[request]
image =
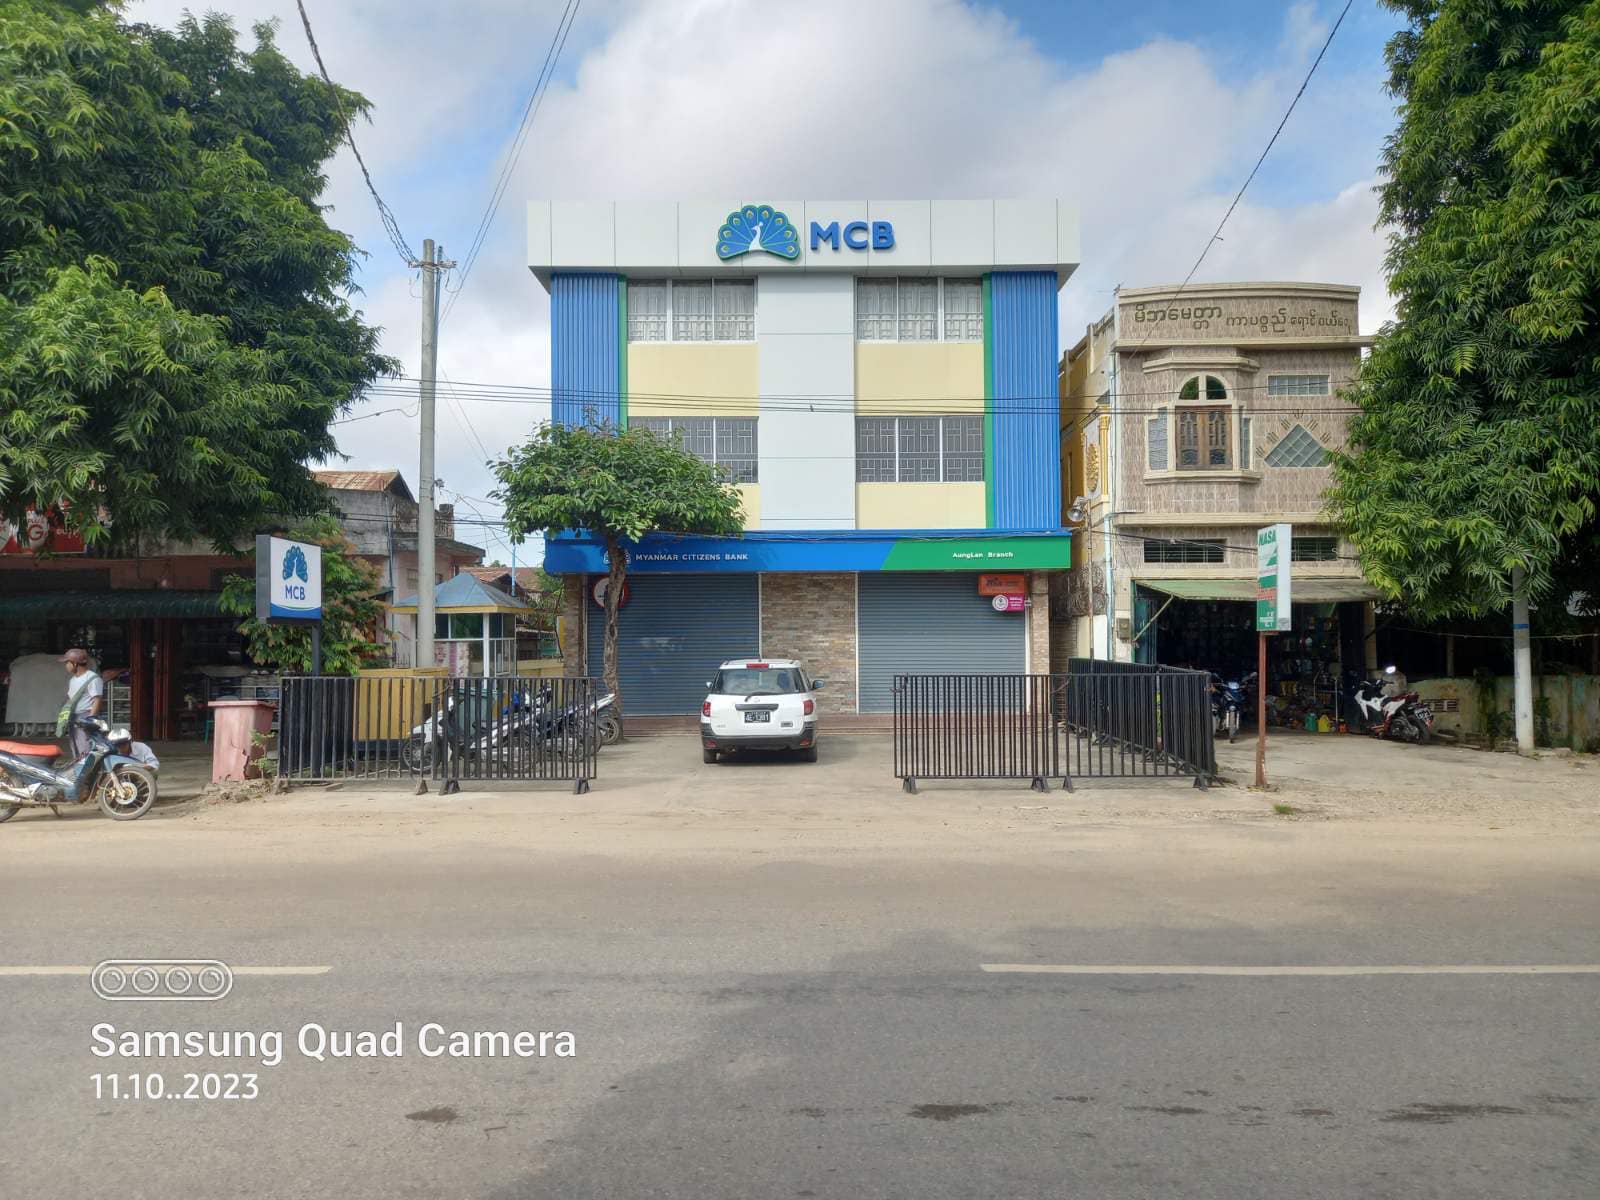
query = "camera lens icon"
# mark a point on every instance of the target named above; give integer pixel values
(192, 979)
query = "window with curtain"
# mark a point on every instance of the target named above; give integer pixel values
(919, 449)
(919, 310)
(1297, 385)
(735, 303)
(726, 442)
(691, 310)
(647, 311)
(876, 310)
(963, 310)
(1156, 443)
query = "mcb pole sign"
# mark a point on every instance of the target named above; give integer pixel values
(288, 580)
(1273, 553)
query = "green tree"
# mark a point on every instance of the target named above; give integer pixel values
(351, 612)
(619, 486)
(175, 330)
(1475, 459)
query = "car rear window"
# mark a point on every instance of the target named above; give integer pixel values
(769, 681)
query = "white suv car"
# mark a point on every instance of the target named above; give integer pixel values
(768, 704)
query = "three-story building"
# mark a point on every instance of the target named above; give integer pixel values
(879, 381)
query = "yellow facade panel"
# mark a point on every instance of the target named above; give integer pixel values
(750, 500)
(919, 377)
(920, 506)
(667, 379)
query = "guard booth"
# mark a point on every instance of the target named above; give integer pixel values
(474, 628)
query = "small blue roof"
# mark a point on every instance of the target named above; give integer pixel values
(467, 592)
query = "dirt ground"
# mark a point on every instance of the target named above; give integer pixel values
(655, 794)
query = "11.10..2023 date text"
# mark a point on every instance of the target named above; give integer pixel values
(152, 1085)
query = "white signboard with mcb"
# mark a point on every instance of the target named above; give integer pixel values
(288, 580)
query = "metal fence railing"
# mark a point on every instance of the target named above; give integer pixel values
(441, 729)
(1098, 720)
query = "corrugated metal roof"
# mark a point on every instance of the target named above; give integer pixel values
(464, 593)
(363, 481)
(527, 577)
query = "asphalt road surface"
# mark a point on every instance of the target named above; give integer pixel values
(754, 1016)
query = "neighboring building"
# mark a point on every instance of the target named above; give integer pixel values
(379, 515)
(1194, 419)
(877, 378)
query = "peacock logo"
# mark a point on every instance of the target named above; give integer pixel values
(294, 565)
(758, 227)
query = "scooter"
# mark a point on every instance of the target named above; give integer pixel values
(1227, 703)
(122, 787)
(1390, 714)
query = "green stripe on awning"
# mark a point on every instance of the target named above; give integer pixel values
(110, 606)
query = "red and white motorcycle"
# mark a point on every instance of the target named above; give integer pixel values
(1387, 712)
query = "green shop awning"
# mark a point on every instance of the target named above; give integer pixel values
(109, 606)
(1308, 589)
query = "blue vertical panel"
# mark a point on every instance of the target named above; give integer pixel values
(585, 354)
(1027, 428)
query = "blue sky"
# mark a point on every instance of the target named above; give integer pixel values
(1149, 114)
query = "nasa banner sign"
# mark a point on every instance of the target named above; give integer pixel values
(288, 580)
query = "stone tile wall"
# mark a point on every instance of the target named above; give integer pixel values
(813, 618)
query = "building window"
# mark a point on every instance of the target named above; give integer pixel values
(692, 310)
(963, 310)
(919, 450)
(1314, 549)
(919, 309)
(1297, 385)
(1203, 439)
(1156, 442)
(1214, 389)
(1244, 444)
(1183, 550)
(1297, 449)
(726, 442)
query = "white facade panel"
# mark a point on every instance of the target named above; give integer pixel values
(1025, 232)
(803, 304)
(583, 235)
(807, 466)
(963, 233)
(647, 234)
(698, 222)
(913, 237)
(1068, 244)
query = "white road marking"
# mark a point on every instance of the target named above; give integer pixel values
(1412, 969)
(235, 970)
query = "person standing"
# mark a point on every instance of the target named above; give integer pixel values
(86, 696)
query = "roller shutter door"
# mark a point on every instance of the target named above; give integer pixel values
(934, 624)
(672, 634)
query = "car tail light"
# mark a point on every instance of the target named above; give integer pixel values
(811, 707)
(756, 666)
(705, 708)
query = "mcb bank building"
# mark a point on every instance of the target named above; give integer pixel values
(879, 381)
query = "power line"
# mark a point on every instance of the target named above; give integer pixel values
(541, 85)
(390, 225)
(1216, 235)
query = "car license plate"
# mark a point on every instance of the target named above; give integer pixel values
(758, 714)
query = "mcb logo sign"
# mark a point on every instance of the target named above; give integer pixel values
(762, 227)
(288, 579)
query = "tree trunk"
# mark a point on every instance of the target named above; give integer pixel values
(616, 573)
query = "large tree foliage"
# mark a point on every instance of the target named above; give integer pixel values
(619, 486)
(351, 611)
(1477, 450)
(175, 336)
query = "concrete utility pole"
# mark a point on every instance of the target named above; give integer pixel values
(431, 266)
(1521, 661)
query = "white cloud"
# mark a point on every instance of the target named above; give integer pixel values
(892, 98)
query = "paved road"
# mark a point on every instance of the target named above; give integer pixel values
(764, 1021)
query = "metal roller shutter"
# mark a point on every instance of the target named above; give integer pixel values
(934, 624)
(672, 634)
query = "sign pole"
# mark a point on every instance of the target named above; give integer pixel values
(1261, 710)
(1274, 614)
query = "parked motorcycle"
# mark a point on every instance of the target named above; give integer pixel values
(1228, 703)
(122, 787)
(1388, 713)
(525, 724)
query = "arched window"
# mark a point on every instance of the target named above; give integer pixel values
(1204, 434)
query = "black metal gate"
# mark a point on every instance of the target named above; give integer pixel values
(1099, 720)
(444, 729)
